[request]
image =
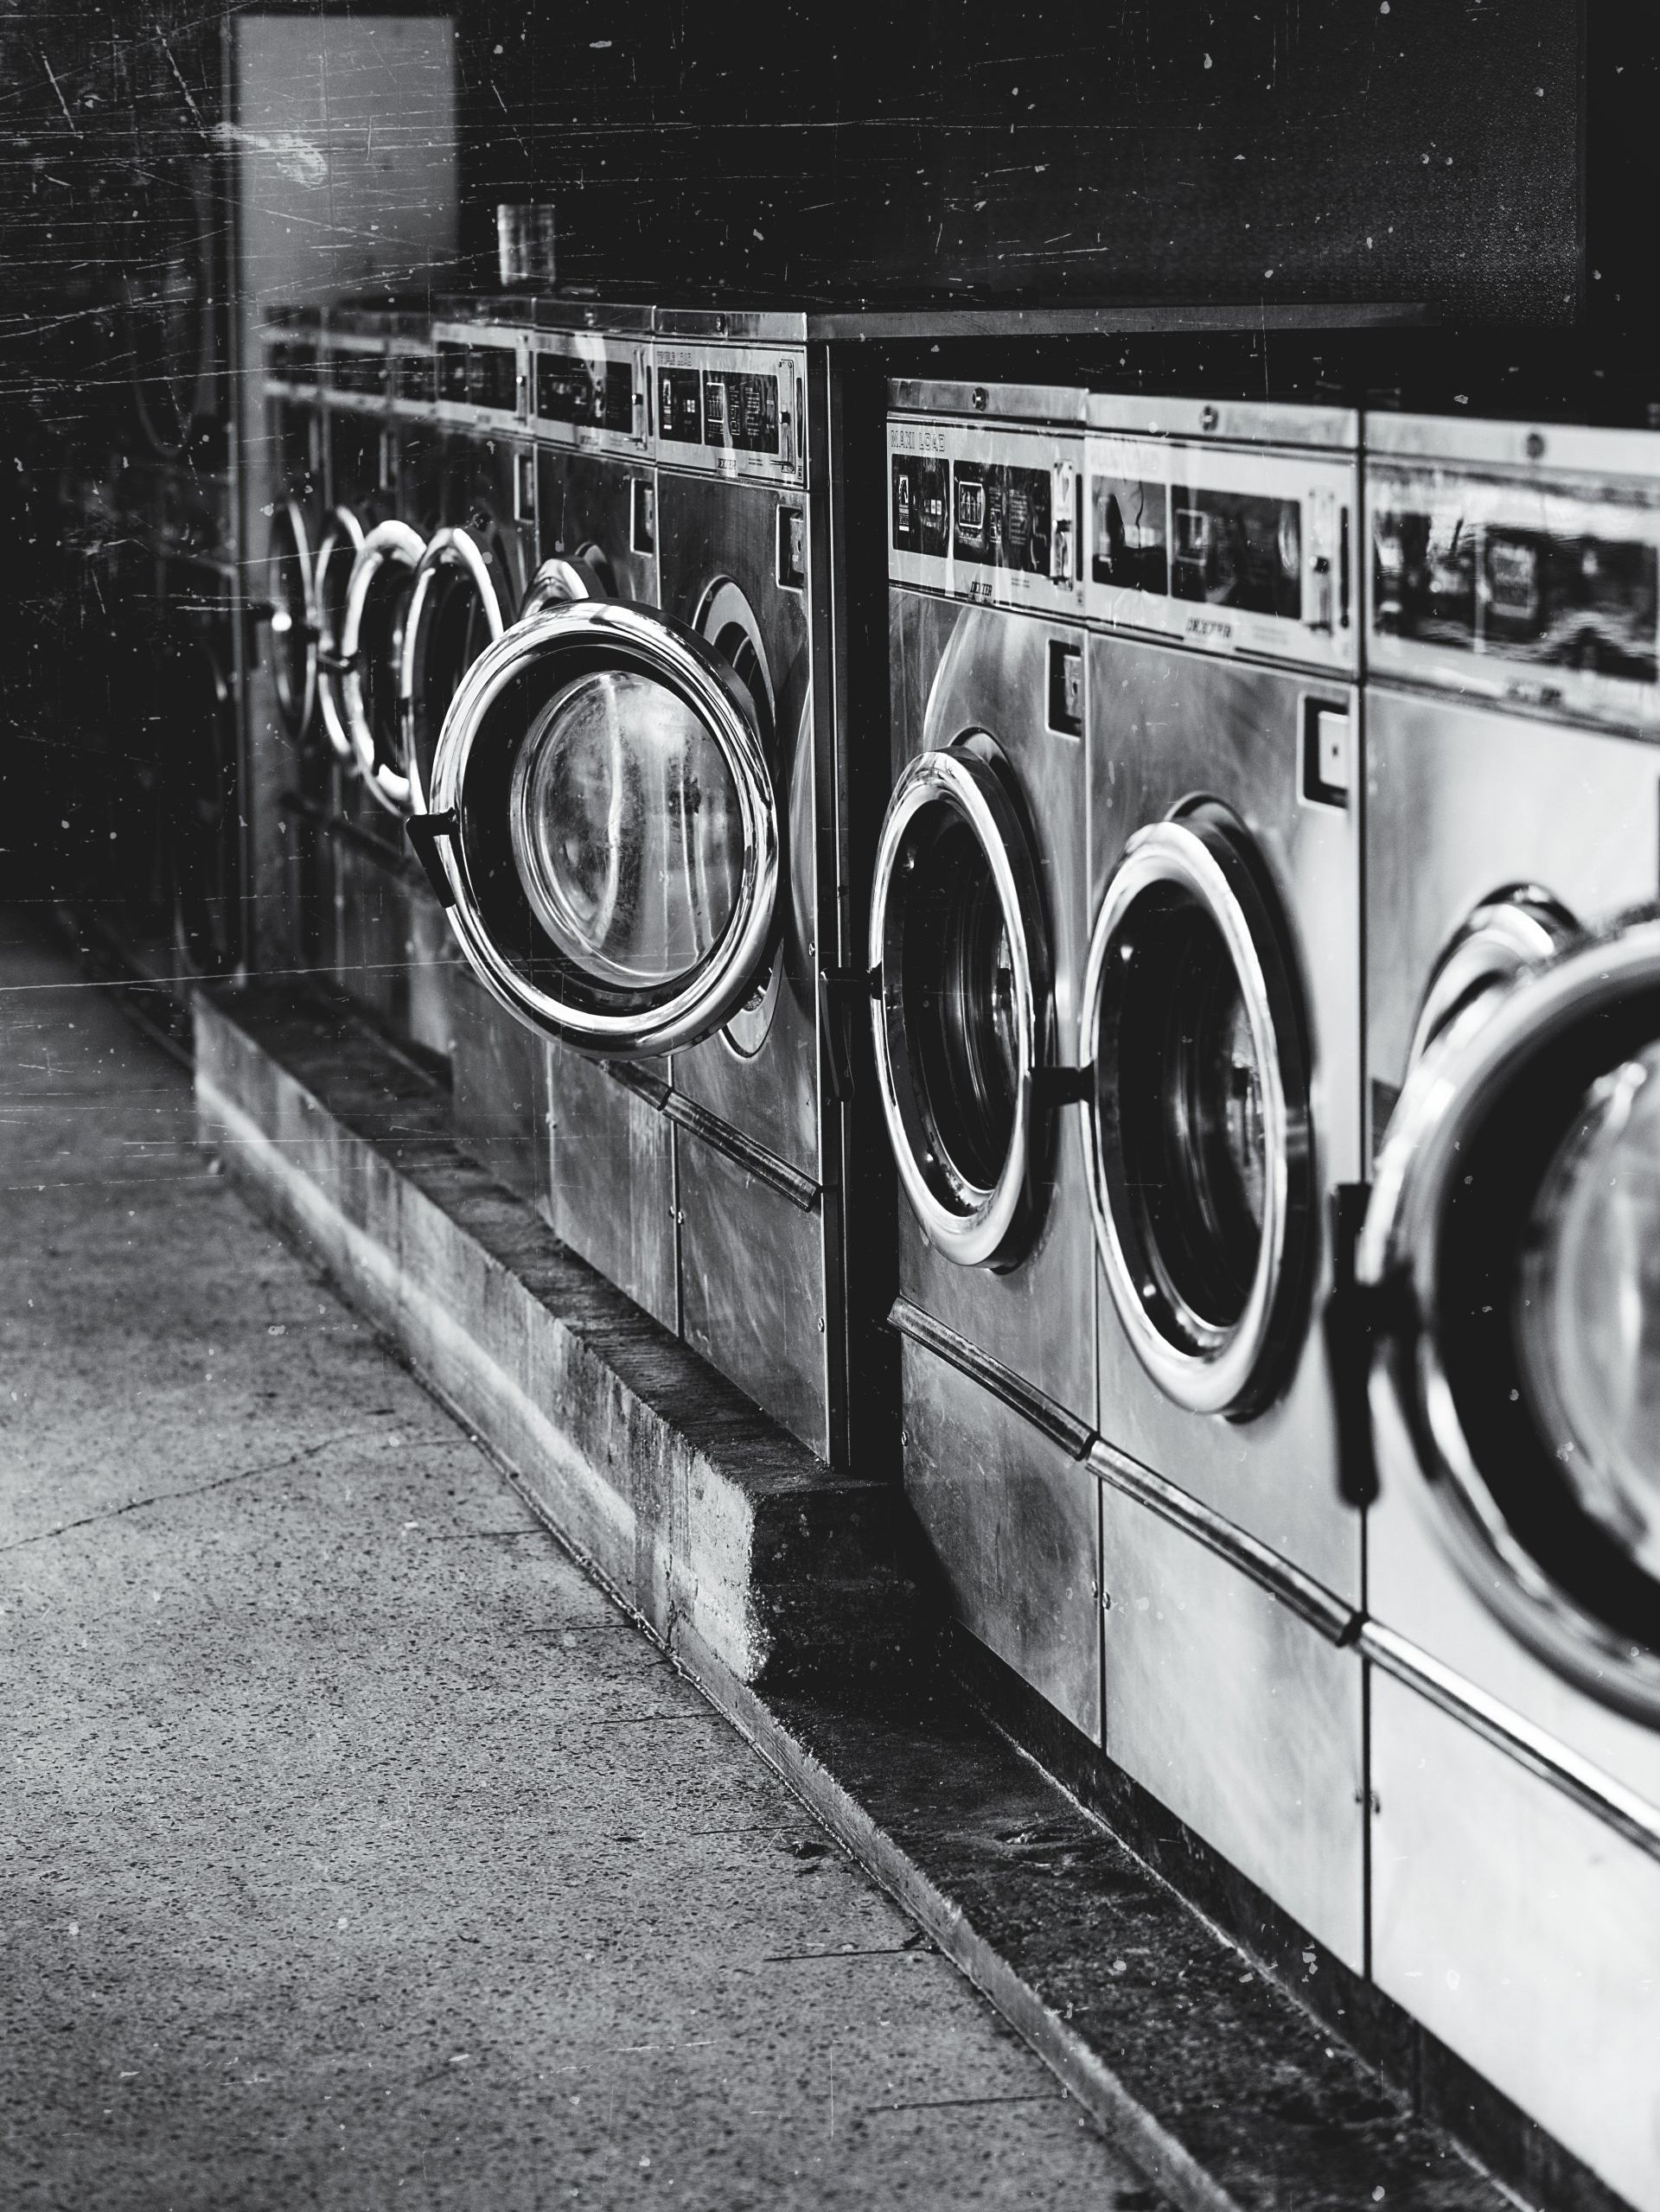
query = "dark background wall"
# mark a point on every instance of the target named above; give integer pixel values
(1153, 149)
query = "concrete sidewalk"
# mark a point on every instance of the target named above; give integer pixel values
(360, 1851)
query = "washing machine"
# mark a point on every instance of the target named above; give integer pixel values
(384, 465)
(1508, 1296)
(292, 468)
(1220, 1017)
(642, 840)
(606, 1179)
(288, 477)
(978, 930)
(472, 582)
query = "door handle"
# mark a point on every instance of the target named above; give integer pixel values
(423, 831)
(1053, 1087)
(846, 991)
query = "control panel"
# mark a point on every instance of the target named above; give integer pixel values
(985, 511)
(590, 391)
(482, 374)
(1540, 593)
(1226, 549)
(731, 411)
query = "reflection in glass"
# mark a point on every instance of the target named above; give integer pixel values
(1189, 1108)
(1237, 549)
(1588, 1307)
(627, 831)
(960, 1011)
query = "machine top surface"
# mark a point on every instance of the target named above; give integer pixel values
(1539, 450)
(1064, 406)
(1243, 422)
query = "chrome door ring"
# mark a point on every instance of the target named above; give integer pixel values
(612, 633)
(389, 544)
(1230, 1374)
(457, 549)
(973, 1225)
(1444, 1101)
(343, 536)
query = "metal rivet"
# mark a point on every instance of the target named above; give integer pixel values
(979, 399)
(1209, 418)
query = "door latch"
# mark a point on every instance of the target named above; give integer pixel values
(1053, 1087)
(847, 992)
(423, 831)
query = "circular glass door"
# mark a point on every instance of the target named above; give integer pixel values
(341, 542)
(603, 829)
(292, 589)
(1201, 1172)
(964, 1013)
(372, 651)
(460, 602)
(1512, 1250)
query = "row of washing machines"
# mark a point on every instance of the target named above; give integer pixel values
(1245, 884)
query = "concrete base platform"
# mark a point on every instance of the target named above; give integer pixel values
(792, 1597)
(732, 1542)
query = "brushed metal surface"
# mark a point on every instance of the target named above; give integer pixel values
(755, 1295)
(607, 1184)
(495, 1072)
(1166, 726)
(606, 1176)
(954, 669)
(1512, 800)
(1414, 1588)
(1521, 1931)
(710, 532)
(1240, 1715)
(585, 499)
(434, 964)
(478, 493)
(1012, 1519)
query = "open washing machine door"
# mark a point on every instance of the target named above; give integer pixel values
(1201, 1165)
(292, 592)
(603, 829)
(1508, 1275)
(465, 595)
(963, 1010)
(337, 551)
(378, 598)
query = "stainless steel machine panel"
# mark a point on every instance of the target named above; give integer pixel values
(1238, 1713)
(1167, 727)
(1228, 548)
(731, 412)
(719, 562)
(483, 373)
(985, 513)
(1013, 1518)
(757, 1284)
(591, 391)
(1519, 563)
(1512, 801)
(605, 1181)
(608, 1182)
(1574, 812)
(1521, 1930)
(957, 669)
